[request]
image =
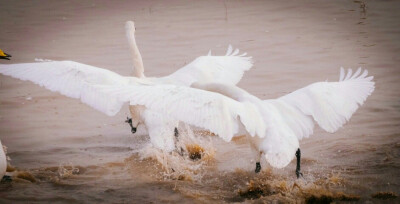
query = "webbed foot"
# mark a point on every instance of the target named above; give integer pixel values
(258, 167)
(6, 179)
(129, 121)
(298, 174)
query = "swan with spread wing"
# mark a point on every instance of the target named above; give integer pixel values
(226, 69)
(85, 82)
(274, 127)
(290, 118)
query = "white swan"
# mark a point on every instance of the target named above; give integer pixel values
(221, 69)
(3, 161)
(290, 118)
(161, 128)
(274, 126)
(82, 81)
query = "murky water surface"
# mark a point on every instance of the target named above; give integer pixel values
(67, 152)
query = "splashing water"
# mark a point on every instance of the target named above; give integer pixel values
(178, 164)
(65, 171)
(294, 43)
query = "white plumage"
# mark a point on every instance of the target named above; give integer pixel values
(87, 83)
(213, 111)
(74, 80)
(228, 69)
(3, 161)
(274, 126)
(223, 69)
(290, 118)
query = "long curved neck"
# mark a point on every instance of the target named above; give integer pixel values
(138, 68)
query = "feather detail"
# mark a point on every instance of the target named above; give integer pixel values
(329, 104)
(228, 69)
(71, 79)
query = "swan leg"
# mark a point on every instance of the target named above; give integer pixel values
(298, 157)
(258, 167)
(129, 121)
(256, 152)
(176, 134)
(258, 164)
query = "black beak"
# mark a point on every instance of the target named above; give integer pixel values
(7, 57)
(133, 130)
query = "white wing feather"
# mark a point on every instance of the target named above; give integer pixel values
(72, 79)
(228, 69)
(107, 91)
(215, 112)
(288, 119)
(330, 104)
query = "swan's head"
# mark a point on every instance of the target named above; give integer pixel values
(130, 27)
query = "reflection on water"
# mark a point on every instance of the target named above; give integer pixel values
(65, 152)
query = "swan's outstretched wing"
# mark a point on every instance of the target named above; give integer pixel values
(215, 112)
(226, 69)
(107, 92)
(330, 104)
(72, 79)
